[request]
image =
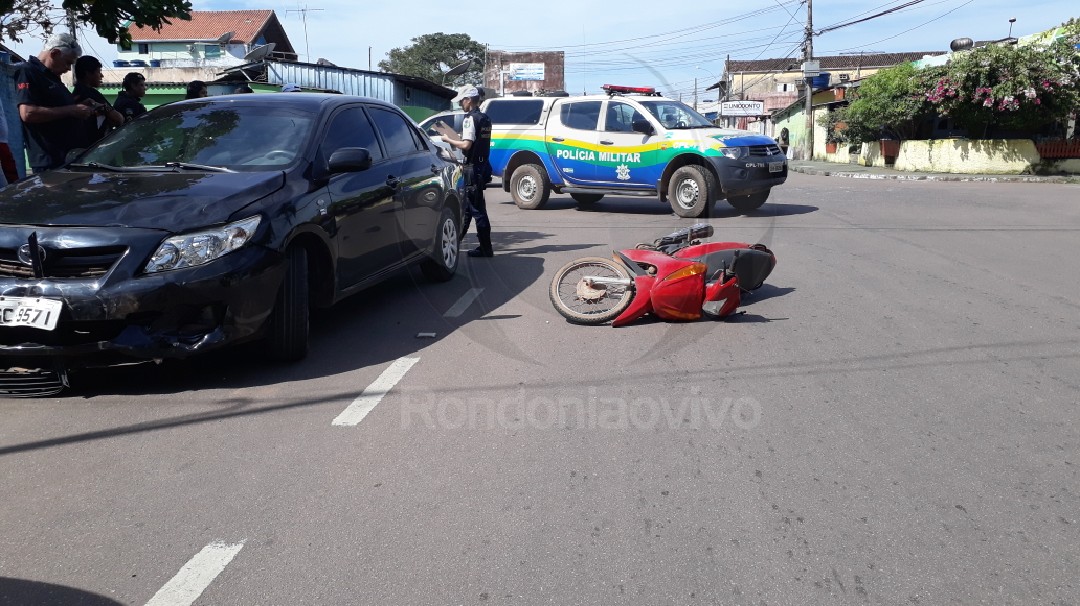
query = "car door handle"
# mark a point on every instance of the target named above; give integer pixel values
(607, 143)
(393, 182)
(558, 139)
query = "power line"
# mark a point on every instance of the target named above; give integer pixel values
(865, 19)
(939, 17)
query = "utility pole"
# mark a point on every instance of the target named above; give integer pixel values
(695, 93)
(807, 57)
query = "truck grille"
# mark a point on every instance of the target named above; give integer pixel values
(764, 150)
(63, 262)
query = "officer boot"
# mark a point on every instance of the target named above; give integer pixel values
(484, 250)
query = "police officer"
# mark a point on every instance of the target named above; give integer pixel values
(128, 100)
(475, 142)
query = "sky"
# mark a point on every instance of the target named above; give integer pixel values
(677, 46)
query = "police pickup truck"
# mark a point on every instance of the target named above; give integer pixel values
(628, 142)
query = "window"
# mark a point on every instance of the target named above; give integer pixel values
(583, 115)
(621, 117)
(515, 112)
(350, 128)
(144, 49)
(396, 132)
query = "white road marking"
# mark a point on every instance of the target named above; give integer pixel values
(366, 402)
(463, 303)
(188, 584)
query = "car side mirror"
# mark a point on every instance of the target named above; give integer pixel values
(643, 126)
(349, 160)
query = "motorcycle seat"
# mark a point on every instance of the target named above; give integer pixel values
(750, 265)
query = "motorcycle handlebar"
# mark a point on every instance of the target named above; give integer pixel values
(698, 230)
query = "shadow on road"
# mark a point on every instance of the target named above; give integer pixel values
(630, 205)
(372, 328)
(20, 592)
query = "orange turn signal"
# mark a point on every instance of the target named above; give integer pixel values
(694, 269)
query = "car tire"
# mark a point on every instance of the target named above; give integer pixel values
(443, 263)
(691, 191)
(290, 327)
(529, 186)
(587, 198)
(748, 203)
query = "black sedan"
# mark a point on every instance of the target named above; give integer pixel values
(214, 221)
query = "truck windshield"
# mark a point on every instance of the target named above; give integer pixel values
(673, 114)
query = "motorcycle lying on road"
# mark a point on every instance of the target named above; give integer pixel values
(677, 277)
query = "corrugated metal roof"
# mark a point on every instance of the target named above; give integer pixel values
(207, 26)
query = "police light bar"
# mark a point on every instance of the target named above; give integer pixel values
(640, 90)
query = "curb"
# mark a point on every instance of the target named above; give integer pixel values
(934, 177)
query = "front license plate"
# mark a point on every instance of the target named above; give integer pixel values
(29, 311)
(776, 167)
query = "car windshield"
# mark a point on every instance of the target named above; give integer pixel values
(206, 135)
(673, 114)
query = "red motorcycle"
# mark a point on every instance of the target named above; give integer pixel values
(677, 277)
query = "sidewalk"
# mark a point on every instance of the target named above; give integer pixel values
(854, 171)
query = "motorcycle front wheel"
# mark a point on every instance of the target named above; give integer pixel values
(582, 301)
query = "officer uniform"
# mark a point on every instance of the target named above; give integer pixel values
(477, 128)
(128, 105)
(47, 143)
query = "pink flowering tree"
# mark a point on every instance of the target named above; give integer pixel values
(1020, 88)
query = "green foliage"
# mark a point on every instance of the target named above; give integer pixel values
(110, 18)
(1021, 88)
(892, 101)
(835, 124)
(423, 57)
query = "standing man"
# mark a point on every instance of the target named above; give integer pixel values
(128, 100)
(51, 118)
(475, 142)
(88, 78)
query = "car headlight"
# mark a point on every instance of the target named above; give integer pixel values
(734, 153)
(199, 247)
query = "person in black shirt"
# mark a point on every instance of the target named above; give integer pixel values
(196, 89)
(127, 100)
(52, 120)
(88, 78)
(475, 142)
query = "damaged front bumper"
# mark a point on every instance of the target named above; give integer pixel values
(171, 314)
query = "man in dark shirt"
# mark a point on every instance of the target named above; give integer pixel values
(51, 118)
(88, 78)
(127, 100)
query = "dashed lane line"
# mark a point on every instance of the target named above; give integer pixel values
(370, 398)
(463, 303)
(188, 584)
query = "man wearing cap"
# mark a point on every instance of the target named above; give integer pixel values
(52, 119)
(475, 142)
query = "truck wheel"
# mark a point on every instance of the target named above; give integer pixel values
(750, 202)
(587, 198)
(529, 187)
(691, 191)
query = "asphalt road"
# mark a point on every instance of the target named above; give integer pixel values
(893, 420)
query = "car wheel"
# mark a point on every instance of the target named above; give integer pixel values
(587, 198)
(529, 187)
(750, 202)
(444, 259)
(691, 190)
(289, 322)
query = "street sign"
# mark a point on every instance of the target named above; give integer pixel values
(742, 108)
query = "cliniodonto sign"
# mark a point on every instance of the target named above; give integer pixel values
(742, 108)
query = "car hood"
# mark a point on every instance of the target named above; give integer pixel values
(731, 137)
(170, 201)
